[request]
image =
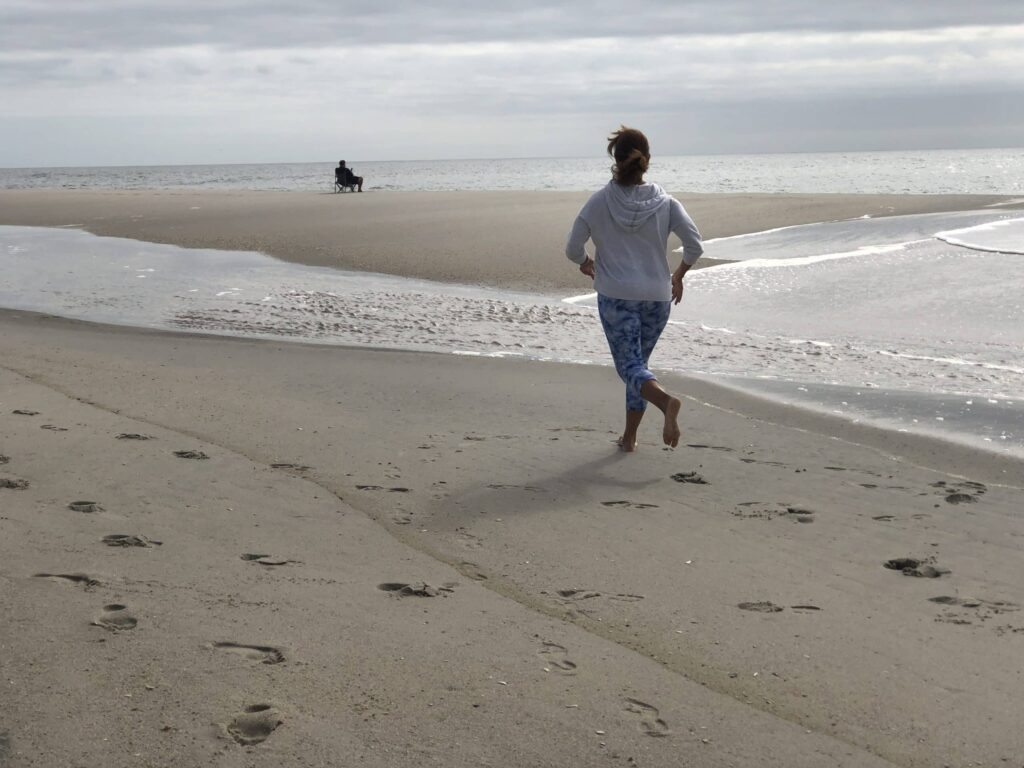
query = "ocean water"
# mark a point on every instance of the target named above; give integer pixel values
(975, 171)
(913, 323)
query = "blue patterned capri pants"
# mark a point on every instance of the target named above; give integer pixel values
(632, 329)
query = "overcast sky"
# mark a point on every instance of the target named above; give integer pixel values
(95, 82)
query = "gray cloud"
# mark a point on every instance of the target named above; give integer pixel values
(138, 81)
(134, 24)
(535, 76)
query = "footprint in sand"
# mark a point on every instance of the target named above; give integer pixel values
(85, 506)
(268, 560)
(763, 606)
(127, 540)
(767, 510)
(801, 515)
(115, 617)
(79, 579)
(265, 654)
(577, 595)
(133, 436)
(1008, 629)
(396, 489)
(4, 459)
(763, 461)
(468, 540)
(291, 467)
(709, 447)
(472, 571)
(960, 498)
(630, 504)
(417, 589)
(555, 659)
(962, 492)
(967, 610)
(24, 412)
(13, 484)
(626, 598)
(649, 718)
(884, 518)
(689, 477)
(191, 455)
(54, 428)
(254, 725)
(912, 566)
(997, 606)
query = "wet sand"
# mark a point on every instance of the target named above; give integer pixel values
(404, 559)
(506, 239)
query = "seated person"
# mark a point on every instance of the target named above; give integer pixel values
(343, 177)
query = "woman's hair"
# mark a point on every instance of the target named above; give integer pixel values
(632, 154)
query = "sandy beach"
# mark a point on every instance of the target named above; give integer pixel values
(238, 552)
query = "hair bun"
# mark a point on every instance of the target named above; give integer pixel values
(631, 152)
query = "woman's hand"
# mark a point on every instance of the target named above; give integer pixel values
(677, 282)
(677, 288)
(587, 268)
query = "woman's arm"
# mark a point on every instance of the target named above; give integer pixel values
(684, 228)
(682, 225)
(574, 246)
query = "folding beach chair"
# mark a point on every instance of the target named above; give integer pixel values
(342, 186)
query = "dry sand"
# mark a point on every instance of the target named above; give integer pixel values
(586, 607)
(511, 239)
(565, 604)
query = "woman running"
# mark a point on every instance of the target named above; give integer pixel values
(630, 221)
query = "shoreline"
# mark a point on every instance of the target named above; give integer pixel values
(466, 266)
(509, 240)
(916, 448)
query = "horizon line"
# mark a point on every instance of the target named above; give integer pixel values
(491, 159)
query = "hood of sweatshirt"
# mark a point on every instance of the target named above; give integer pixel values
(631, 206)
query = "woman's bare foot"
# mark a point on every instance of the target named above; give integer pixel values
(670, 434)
(626, 446)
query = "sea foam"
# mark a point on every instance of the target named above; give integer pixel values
(1003, 236)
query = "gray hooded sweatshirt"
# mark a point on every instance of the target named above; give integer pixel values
(630, 226)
